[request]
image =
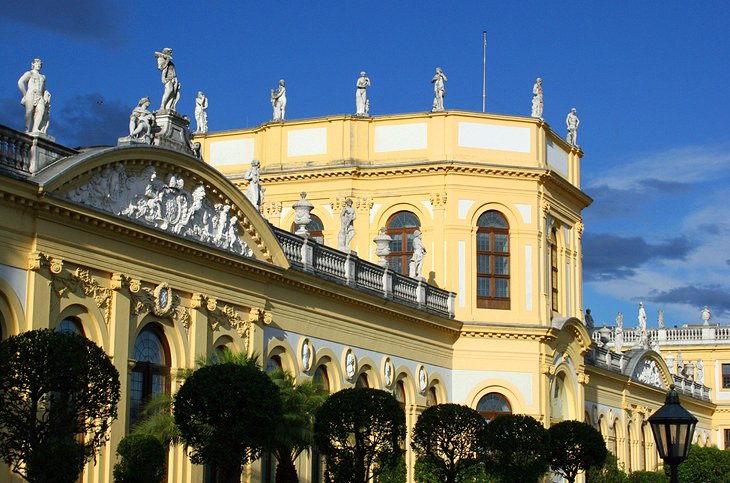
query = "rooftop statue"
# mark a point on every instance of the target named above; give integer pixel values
(419, 252)
(278, 101)
(201, 117)
(141, 121)
(537, 100)
(660, 319)
(254, 192)
(572, 122)
(171, 94)
(36, 99)
(439, 90)
(347, 227)
(361, 96)
(706, 315)
(642, 317)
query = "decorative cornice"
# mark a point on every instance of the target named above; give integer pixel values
(79, 282)
(513, 333)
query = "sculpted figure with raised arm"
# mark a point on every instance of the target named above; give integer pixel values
(572, 122)
(171, 94)
(201, 117)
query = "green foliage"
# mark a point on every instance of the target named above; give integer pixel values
(651, 477)
(156, 420)
(709, 465)
(142, 460)
(517, 448)
(225, 413)
(294, 431)
(608, 472)
(395, 472)
(449, 438)
(427, 470)
(360, 432)
(54, 388)
(575, 446)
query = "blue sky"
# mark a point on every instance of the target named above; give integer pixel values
(649, 80)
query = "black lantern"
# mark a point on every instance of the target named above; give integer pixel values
(673, 427)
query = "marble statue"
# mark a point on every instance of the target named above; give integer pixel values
(171, 94)
(642, 317)
(306, 356)
(660, 319)
(700, 367)
(201, 117)
(619, 333)
(419, 251)
(350, 365)
(572, 122)
(278, 101)
(388, 373)
(706, 315)
(361, 95)
(347, 227)
(537, 99)
(422, 382)
(141, 121)
(669, 359)
(439, 90)
(254, 192)
(680, 363)
(36, 99)
(589, 321)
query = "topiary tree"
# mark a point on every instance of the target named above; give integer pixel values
(517, 448)
(574, 447)
(360, 431)
(655, 477)
(449, 438)
(225, 414)
(58, 397)
(142, 460)
(705, 464)
(608, 472)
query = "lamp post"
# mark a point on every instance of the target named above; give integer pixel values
(673, 427)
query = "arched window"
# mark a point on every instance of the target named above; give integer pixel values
(493, 291)
(362, 381)
(554, 273)
(400, 227)
(493, 405)
(72, 325)
(151, 372)
(274, 364)
(321, 378)
(559, 399)
(315, 229)
(431, 398)
(399, 392)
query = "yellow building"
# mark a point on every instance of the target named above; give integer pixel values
(160, 258)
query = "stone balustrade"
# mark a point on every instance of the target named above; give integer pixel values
(26, 154)
(666, 336)
(325, 262)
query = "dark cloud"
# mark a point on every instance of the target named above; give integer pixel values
(714, 296)
(615, 202)
(96, 20)
(89, 120)
(610, 257)
(667, 187)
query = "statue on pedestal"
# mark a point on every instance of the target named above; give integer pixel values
(278, 101)
(171, 94)
(572, 122)
(537, 99)
(618, 341)
(36, 99)
(201, 117)
(642, 317)
(254, 192)
(141, 121)
(706, 315)
(361, 95)
(439, 90)
(347, 227)
(419, 252)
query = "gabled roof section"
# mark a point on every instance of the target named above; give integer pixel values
(168, 191)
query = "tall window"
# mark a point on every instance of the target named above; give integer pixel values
(400, 227)
(151, 372)
(493, 405)
(362, 381)
(321, 378)
(492, 261)
(431, 398)
(726, 433)
(314, 228)
(554, 274)
(726, 376)
(70, 324)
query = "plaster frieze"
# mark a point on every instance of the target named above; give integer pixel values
(80, 282)
(272, 209)
(438, 199)
(363, 205)
(160, 300)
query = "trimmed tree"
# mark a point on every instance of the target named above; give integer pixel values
(225, 414)
(608, 472)
(574, 447)
(58, 397)
(449, 439)
(360, 431)
(517, 448)
(705, 464)
(143, 460)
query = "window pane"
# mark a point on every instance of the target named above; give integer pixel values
(500, 242)
(492, 219)
(69, 324)
(404, 219)
(501, 288)
(483, 264)
(726, 369)
(396, 244)
(494, 402)
(501, 265)
(410, 242)
(148, 348)
(396, 265)
(483, 287)
(483, 242)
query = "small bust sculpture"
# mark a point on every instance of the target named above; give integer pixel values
(36, 99)
(439, 90)
(278, 101)
(572, 122)
(537, 99)
(422, 379)
(141, 121)
(362, 103)
(350, 365)
(201, 117)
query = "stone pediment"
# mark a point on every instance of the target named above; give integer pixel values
(169, 197)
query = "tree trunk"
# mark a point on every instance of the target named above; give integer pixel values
(286, 472)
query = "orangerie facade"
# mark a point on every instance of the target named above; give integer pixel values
(157, 256)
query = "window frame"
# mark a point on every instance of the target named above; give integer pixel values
(490, 415)
(492, 301)
(148, 370)
(404, 233)
(554, 272)
(315, 235)
(725, 378)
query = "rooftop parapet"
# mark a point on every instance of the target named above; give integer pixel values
(25, 154)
